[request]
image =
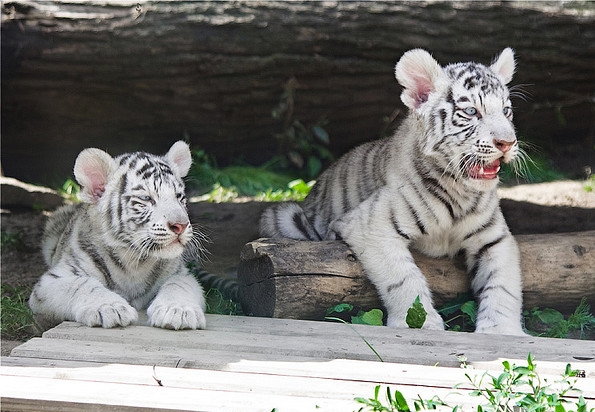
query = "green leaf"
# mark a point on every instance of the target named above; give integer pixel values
(400, 402)
(416, 315)
(469, 308)
(372, 317)
(340, 308)
(550, 316)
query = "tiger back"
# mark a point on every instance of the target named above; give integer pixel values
(121, 249)
(430, 187)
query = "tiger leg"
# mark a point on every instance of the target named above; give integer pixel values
(179, 304)
(61, 295)
(497, 284)
(387, 261)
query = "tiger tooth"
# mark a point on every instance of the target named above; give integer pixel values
(481, 171)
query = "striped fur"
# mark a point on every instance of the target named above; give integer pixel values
(431, 187)
(120, 250)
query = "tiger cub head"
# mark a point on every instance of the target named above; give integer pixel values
(466, 114)
(138, 200)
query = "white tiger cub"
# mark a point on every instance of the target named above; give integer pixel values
(431, 187)
(120, 250)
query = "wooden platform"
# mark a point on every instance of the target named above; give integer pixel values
(258, 364)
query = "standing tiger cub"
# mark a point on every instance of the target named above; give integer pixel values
(431, 187)
(120, 250)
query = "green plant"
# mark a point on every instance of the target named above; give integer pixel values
(302, 147)
(297, 190)
(551, 323)
(522, 387)
(16, 319)
(70, 190)
(460, 313)
(218, 304)
(416, 315)
(346, 312)
(396, 402)
(517, 388)
(205, 177)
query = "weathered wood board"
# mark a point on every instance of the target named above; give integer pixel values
(257, 364)
(295, 279)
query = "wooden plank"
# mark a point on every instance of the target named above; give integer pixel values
(274, 338)
(335, 393)
(268, 374)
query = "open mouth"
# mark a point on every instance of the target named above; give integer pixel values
(487, 172)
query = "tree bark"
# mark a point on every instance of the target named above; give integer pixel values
(300, 280)
(128, 75)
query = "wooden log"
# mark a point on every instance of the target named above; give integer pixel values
(125, 75)
(300, 280)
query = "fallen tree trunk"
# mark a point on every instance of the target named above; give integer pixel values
(300, 280)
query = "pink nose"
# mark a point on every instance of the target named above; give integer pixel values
(178, 228)
(504, 145)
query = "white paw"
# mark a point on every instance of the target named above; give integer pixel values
(107, 315)
(176, 316)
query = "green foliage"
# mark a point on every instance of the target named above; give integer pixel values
(517, 388)
(297, 190)
(301, 147)
(70, 190)
(347, 312)
(396, 402)
(206, 177)
(522, 387)
(460, 313)
(218, 304)
(16, 319)
(11, 241)
(551, 323)
(416, 315)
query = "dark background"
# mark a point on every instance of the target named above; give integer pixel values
(124, 76)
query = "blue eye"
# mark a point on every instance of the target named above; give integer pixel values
(470, 111)
(507, 111)
(145, 198)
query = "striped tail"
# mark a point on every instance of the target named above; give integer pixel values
(287, 220)
(229, 288)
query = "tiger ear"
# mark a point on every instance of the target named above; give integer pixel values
(92, 170)
(504, 65)
(417, 72)
(180, 158)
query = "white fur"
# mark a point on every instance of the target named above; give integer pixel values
(85, 241)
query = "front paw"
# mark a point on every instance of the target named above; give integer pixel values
(176, 316)
(107, 315)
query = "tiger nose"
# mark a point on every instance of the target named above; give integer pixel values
(504, 145)
(177, 228)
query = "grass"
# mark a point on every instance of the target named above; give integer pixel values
(16, 319)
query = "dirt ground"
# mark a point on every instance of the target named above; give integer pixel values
(563, 206)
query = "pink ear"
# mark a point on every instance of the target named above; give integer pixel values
(417, 72)
(92, 170)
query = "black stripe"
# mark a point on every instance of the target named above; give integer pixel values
(393, 219)
(481, 252)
